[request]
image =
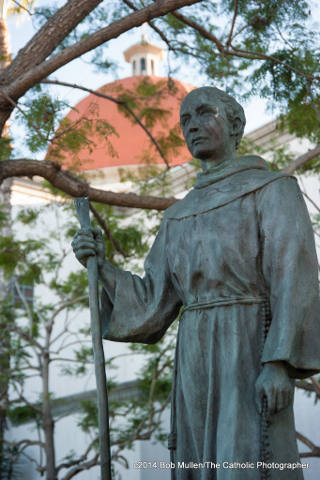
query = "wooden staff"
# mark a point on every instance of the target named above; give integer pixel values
(82, 208)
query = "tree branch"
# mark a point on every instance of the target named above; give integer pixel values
(151, 24)
(316, 386)
(29, 121)
(311, 201)
(20, 85)
(118, 102)
(76, 187)
(304, 385)
(315, 450)
(199, 28)
(24, 443)
(81, 467)
(22, 7)
(107, 232)
(235, 13)
(25, 304)
(26, 336)
(238, 52)
(303, 159)
(78, 460)
(50, 35)
(66, 304)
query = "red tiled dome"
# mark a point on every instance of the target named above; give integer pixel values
(129, 144)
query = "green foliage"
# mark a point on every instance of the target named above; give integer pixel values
(23, 414)
(13, 253)
(273, 52)
(3, 215)
(41, 116)
(5, 148)
(27, 216)
(89, 419)
(28, 332)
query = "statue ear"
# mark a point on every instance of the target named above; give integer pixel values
(236, 126)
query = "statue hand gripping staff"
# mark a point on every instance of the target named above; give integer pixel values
(82, 208)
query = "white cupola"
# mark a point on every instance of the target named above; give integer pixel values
(144, 57)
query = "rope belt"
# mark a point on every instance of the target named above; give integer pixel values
(223, 301)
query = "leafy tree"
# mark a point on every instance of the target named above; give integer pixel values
(258, 47)
(46, 336)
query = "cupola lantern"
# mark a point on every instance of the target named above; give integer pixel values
(144, 57)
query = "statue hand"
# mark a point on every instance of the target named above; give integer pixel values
(88, 242)
(274, 383)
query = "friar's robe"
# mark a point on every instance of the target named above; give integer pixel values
(239, 241)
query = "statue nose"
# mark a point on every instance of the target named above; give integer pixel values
(193, 127)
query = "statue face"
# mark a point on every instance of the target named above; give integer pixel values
(205, 125)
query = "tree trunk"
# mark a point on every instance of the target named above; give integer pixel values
(5, 58)
(4, 44)
(5, 230)
(48, 424)
(5, 343)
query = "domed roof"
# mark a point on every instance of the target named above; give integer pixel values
(115, 139)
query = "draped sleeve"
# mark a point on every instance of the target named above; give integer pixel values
(290, 270)
(135, 309)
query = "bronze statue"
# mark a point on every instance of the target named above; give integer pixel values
(238, 254)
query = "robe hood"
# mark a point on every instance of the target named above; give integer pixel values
(223, 184)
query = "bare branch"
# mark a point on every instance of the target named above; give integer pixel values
(151, 24)
(304, 385)
(23, 8)
(316, 386)
(81, 467)
(76, 187)
(64, 305)
(315, 450)
(118, 102)
(302, 160)
(235, 13)
(26, 336)
(24, 443)
(311, 201)
(25, 303)
(107, 232)
(79, 459)
(24, 400)
(196, 26)
(69, 360)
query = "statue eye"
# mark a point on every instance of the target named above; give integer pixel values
(184, 121)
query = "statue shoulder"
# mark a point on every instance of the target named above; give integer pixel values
(178, 209)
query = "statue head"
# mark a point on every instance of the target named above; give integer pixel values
(212, 123)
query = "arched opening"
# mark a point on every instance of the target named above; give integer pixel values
(143, 65)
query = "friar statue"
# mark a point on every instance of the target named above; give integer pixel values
(238, 255)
